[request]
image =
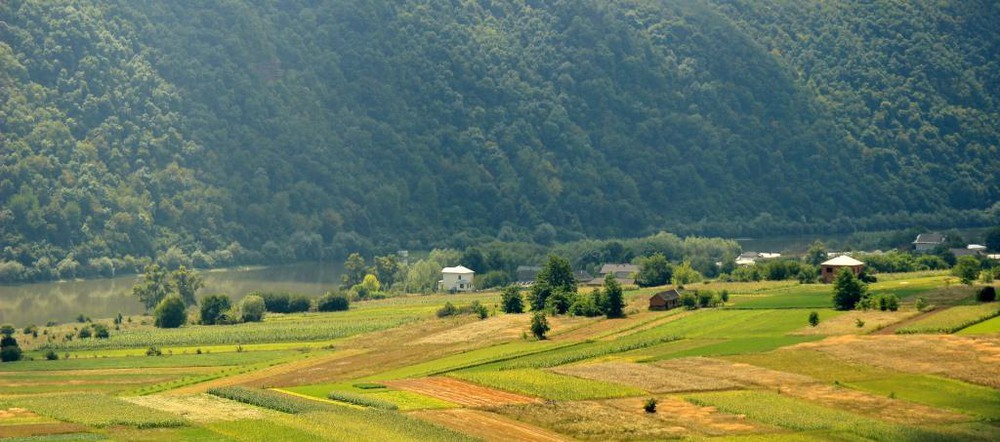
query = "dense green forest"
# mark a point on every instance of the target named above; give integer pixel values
(213, 133)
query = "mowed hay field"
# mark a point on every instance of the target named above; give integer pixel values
(391, 370)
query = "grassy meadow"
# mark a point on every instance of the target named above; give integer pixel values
(753, 369)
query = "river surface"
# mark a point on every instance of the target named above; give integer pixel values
(63, 301)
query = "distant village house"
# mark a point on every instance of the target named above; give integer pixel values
(624, 273)
(829, 269)
(456, 279)
(926, 242)
(665, 300)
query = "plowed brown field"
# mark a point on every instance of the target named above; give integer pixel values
(489, 426)
(459, 392)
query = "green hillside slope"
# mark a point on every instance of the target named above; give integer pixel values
(273, 131)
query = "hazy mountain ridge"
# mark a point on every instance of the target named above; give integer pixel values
(299, 128)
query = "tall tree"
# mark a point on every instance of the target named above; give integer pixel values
(186, 284)
(654, 270)
(613, 297)
(556, 276)
(816, 253)
(155, 286)
(354, 270)
(847, 290)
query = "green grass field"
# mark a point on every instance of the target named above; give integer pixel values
(990, 326)
(548, 385)
(983, 402)
(953, 319)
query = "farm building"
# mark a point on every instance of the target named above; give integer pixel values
(828, 269)
(456, 279)
(624, 273)
(526, 274)
(665, 300)
(926, 242)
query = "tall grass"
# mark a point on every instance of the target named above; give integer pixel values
(953, 319)
(265, 399)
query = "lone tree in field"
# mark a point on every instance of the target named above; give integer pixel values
(613, 297)
(511, 300)
(556, 276)
(847, 290)
(966, 269)
(213, 307)
(9, 350)
(170, 312)
(813, 319)
(539, 325)
(252, 308)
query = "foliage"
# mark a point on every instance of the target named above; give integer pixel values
(539, 324)
(170, 313)
(213, 307)
(333, 302)
(10, 353)
(880, 301)
(154, 287)
(555, 278)
(252, 308)
(614, 301)
(650, 405)
(813, 319)
(491, 279)
(590, 305)
(966, 269)
(354, 270)
(654, 270)
(684, 274)
(362, 400)
(186, 284)
(986, 294)
(511, 300)
(816, 254)
(689, 300)
(847, 290)
(266, 399)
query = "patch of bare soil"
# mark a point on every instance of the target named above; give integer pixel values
(677, 412)
(199, 408)
(647, 377)
(488, 426)
(504, 327)
(742, 374)
(459, 392)
(971, 359)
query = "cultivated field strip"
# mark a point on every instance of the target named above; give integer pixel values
(459, 392)
(489, 426)
(647, 377)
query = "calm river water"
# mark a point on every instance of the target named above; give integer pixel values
(104, 298)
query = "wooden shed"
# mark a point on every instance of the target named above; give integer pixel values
(665, 300)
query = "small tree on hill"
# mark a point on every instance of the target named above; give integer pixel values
(813, 319)
(539, 325)
(511, 300)
(9, 349)
(966, 269)
(556, 275)
(847, 290)
(613, 297)
(170, 312)
(685, 274)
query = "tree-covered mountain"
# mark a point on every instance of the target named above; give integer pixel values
(235, 131)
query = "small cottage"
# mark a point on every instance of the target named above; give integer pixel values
(624, 273)
(665, 300)
(926, 242)
(828, 269)
(456, 279)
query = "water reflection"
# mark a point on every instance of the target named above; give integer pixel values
(104, 298)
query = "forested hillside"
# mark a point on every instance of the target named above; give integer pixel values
(269, 131)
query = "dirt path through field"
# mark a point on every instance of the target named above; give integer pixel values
(460, 392)
(489, 426)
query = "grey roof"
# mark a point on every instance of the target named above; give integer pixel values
(929, 238)
(964, 252)
(619, 268)
(669, 294)
(842, 260)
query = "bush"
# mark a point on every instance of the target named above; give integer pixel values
(299, 303)
(84, 333)
(448, 310)
(494, 278)
(689, 300)
(650, 405)
(705, 298)
(986, 294)
(362, 400)
(51, 355)
(813, 319)
(170, 313)
(101, 331)
(333, 302)
(511, 300)
(213, 307)
(252, 308)
(479, 309)
(276, 302)
(920, 304)
(153, 351)
(539, 325)
(10, 353)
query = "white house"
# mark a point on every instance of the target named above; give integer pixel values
(457, 279)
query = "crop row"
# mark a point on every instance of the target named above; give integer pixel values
(96, 410)
(362, 400)
(548, 385)
(265, 399)
(953, 319)
(310, 329)
(589, 350)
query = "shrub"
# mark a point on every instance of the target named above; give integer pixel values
(170, 313)
(10, 353)
(299, 303)
(333, 302)
(275, 302)
(511, 300)
(448, 310)
(539, 325)
(362, 400)
(213, 307)
(479, 309)
(920, 304)
(153, 351)
(31, 330)
(101, 331)
(858, 322)
(725, 296)
(252, 308)
(705, 298)
(986, 294)
(813, 319)
(689, 300)
(650, 405)
(84, 333)
(51, 355)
